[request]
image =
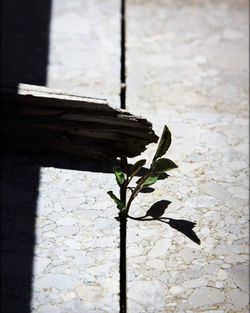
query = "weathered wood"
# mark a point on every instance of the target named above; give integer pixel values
(38, 119)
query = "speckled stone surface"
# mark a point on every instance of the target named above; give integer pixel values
(84, 53)
(77, 237)
(188, 68)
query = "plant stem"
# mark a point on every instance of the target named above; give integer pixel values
(135, 192)
(123, 232)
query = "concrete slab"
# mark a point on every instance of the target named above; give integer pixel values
(84, 53)
(188, 69)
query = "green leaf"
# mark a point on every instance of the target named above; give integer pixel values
(150, 180)
(119, 175)
(147, 189)
(164, 143)
(163, 165)
(162, 176)
(124, 163)
(120, 204)
(136, 167)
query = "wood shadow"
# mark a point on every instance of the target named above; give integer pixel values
(24, 41)
(19, 192)
(24, 57)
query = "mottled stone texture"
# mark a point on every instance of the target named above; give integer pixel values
(77, 237)
(188, 68)
(85, 48)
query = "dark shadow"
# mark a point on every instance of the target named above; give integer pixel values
(71, 163)
(24, 58)
(158, 209)
(19, 191)
(186, 228)
(24, 41)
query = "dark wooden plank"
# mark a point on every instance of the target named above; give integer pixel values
(38, 119)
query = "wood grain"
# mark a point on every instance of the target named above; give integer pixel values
(40, 120)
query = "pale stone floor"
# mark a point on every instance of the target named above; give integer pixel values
(187, 68)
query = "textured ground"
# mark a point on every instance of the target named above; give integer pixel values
(85, 48)
(188, 68)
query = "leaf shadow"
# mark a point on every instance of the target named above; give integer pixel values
(185, 227)
(158, 209)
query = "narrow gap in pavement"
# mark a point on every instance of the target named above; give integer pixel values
(123, 219)
(123, 56)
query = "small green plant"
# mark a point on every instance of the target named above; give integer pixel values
(127, 172)
(124, 174)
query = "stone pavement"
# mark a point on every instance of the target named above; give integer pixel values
(77, 237)
(188, 68)
(85, 48)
